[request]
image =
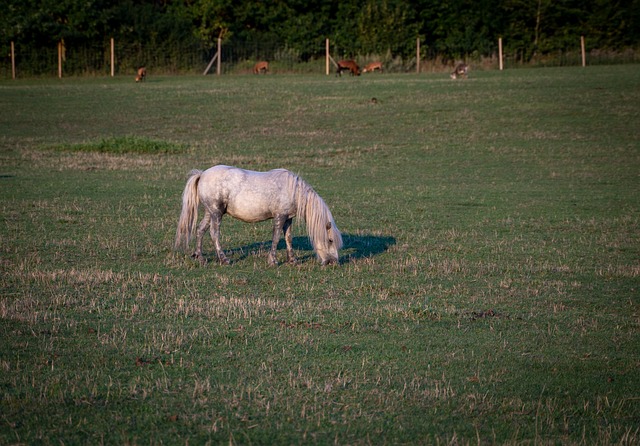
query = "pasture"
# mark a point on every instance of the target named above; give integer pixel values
(487, 291)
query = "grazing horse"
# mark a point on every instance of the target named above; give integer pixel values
(261, 67)
(142, 74)
(252, 197)
(460, 71)
(373, 66)
(350, 65)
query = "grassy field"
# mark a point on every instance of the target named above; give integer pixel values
(488, 290)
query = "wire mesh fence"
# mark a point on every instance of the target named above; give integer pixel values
(96, 60)
(238, 57)
(170, 58)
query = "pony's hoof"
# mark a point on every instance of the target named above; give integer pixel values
(292, 261)
(224, 261)
(200, 258)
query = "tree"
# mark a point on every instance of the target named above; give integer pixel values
(211, 19)
(461, 28)
(386, 26)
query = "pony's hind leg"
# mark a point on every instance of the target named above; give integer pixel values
(288, 238)
(216, 218)
(202, 227)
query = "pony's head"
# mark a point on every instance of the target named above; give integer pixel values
(323, 232)
(327, 247)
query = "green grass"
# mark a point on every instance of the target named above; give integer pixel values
(487, 292)
(121, 145)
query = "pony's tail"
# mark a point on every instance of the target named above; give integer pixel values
(189, 215)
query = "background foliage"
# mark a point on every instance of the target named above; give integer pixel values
(449, 30)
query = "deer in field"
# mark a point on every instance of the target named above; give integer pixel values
(461, 70)
(350, 65)
(373, 66)
(261, 67)
(142, 74)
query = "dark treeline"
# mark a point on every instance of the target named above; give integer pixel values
(447, 29)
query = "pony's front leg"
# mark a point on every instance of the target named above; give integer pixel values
(216, 218)
(278, 223)
(288, 238)
(199, 234)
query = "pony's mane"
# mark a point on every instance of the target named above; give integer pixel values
(315, 212)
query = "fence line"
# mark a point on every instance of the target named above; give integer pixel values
(116, 58)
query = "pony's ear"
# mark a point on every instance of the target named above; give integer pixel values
(328, 225)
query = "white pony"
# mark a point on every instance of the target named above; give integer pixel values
(252, 197)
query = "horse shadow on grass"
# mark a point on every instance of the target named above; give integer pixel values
(355, 246)
(359, 246)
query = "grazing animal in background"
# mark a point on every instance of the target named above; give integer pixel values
(373, 66)
(350, 65)
(142, 74)
(261, 67)
(252, 197)
(461, 70)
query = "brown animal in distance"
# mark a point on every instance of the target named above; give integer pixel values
(142, 74)
(460, 71)
(350, 65)
(261, 67)
(373, 66)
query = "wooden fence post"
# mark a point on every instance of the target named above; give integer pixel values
(500, 53)
(113, 58)
(327, 56)
(13, 60)
(206, 70)
(418, 55)
(218, 65)
(584, 55)
(60, 60)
